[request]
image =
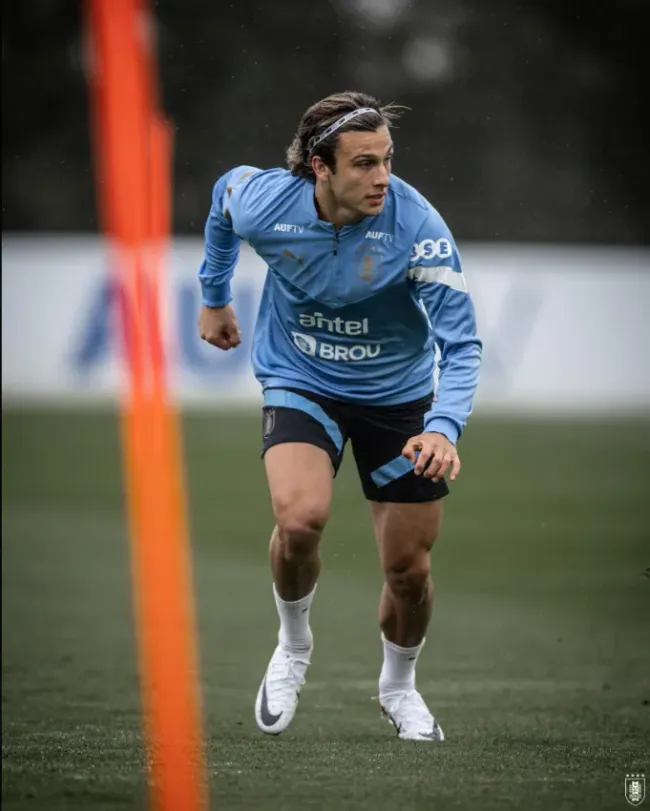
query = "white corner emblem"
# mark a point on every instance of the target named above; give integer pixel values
(635, 789)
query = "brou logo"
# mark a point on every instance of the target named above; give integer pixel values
(288, 228)
(431, 249)
(308, 345)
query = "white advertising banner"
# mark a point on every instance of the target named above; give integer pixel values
(564, 328)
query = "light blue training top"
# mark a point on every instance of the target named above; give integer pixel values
(353, 313)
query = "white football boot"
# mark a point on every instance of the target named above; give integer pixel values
(410, 716)
(279, 692)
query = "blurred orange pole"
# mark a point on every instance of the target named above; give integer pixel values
(133, 155)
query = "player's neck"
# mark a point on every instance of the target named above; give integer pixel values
(330, 211)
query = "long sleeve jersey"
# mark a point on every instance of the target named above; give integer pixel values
(353, 313)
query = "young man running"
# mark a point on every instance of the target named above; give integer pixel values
(364, 280)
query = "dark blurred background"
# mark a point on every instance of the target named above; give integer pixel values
(526, 119)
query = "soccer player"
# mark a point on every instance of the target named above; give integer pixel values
(363, 281)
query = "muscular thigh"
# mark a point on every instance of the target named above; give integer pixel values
(405, 532)
(299, 476)
(304, 435)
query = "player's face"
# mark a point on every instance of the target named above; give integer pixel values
(363, 166)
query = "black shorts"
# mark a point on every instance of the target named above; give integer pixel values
(377, 435)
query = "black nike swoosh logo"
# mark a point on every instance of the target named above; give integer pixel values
(267, 718)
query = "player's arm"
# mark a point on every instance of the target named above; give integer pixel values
(435, 268)
(227, 224)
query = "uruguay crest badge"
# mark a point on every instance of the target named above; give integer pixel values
(635, 789)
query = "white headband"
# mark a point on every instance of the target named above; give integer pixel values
(313, 142)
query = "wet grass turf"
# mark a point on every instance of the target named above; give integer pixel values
(537, 663)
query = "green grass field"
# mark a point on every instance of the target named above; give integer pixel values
(537, 664)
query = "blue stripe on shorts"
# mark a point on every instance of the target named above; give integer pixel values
(397, 467)
(289, 399)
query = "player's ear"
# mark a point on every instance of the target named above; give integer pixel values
(319, 167)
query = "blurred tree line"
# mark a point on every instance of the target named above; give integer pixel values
(526, 118)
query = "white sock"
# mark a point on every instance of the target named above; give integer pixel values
(398, 669)
(295, 633)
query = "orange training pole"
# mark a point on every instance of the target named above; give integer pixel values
(133, 152)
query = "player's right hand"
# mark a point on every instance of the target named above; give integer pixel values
(218, 326)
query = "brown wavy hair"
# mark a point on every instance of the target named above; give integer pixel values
(325, 112)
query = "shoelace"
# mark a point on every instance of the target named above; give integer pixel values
(284, 675)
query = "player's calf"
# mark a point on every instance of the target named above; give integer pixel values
(406, 601)
(295, 560)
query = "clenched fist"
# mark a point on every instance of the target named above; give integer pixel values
(435, 449)
(218, 326)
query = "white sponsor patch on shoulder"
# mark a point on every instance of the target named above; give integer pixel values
(443, 274)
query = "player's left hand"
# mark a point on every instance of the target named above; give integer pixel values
(435, 449)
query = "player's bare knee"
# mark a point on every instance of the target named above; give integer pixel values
(409, 580)
(300, 527)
